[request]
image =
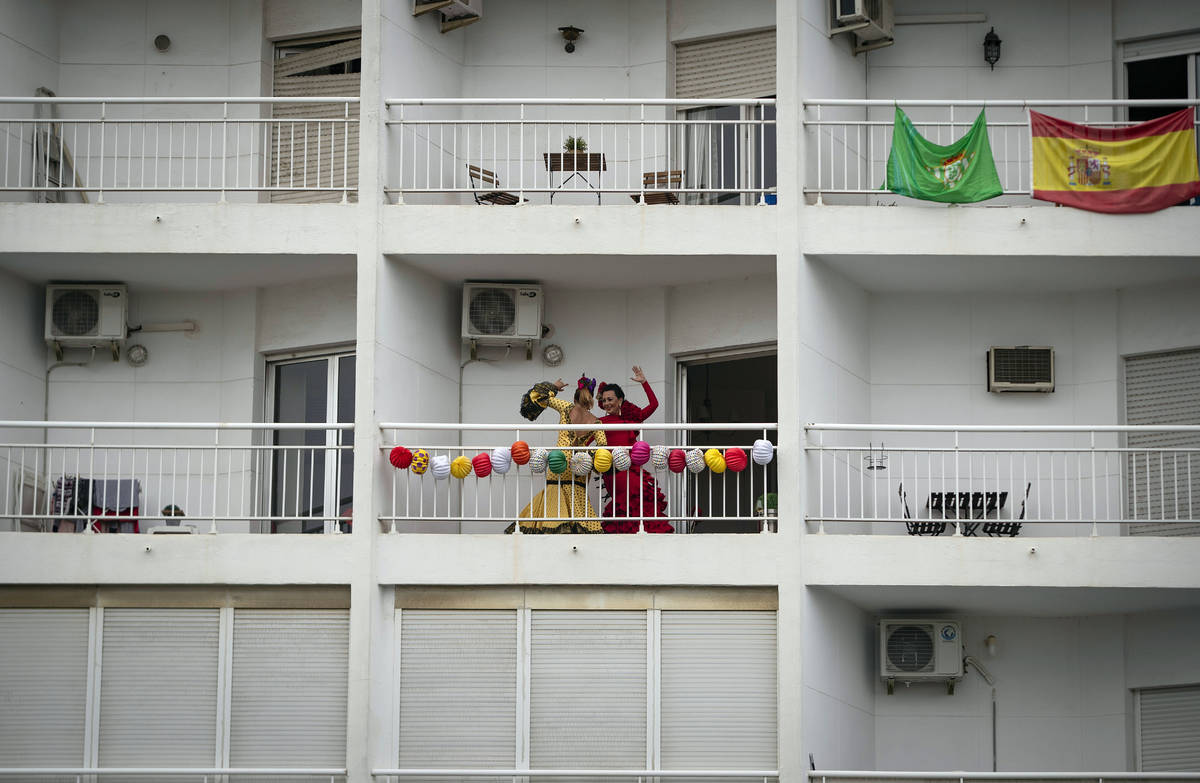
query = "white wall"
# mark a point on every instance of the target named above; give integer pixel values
(692, 19)
(28, 60)
(1060, 694)
(300, 18)
(1132, 19)
(22, 351)
(306, 314)
(839, 701)
(722, 314)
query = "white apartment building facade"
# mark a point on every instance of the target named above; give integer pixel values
(294, 206)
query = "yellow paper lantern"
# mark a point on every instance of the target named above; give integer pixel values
(460, 467)
(602, 461)
(714, 460)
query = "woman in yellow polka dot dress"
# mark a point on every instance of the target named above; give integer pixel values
(563, 506)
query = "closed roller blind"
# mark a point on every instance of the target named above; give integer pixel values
(587, 697)
(1169, 737)
(718, 690)
(322, 154)
(288, 688)
(43, 687)
(458, 688)
(158, 688)
(1163, 388)
(738, 66)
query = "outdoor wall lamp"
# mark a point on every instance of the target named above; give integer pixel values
(570, 34)
(991, 48)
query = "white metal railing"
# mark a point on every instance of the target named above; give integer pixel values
(179, 477)
(54, 146)
(701, 501)
(637, 774)
(871, 776)
(993, 480)
(850, 139)
(703, 151)
(202, 774)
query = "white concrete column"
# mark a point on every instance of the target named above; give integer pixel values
(368, 660)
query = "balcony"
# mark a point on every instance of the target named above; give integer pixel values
(172, 478)
(1004, 481)
(525, 151)
(849, 141)
(182, 149)
(685, 495)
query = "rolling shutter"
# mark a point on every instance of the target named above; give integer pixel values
(301, 151)
(587, 699)
(1163, 388)
(458, 689)
(288, 688)
(737, 66)
(1169, 729)
(718, 690)
(43, 687)
(158, 688)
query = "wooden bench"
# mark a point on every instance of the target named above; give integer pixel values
(659, 187)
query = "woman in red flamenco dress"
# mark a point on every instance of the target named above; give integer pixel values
(634, 497)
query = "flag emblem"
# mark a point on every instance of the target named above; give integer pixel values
(953, 169)
(1088, 168)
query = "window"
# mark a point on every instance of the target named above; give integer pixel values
(1168, 722)
(312, 475)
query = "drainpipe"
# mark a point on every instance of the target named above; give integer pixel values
(972, 661)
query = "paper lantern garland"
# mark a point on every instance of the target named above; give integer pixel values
(520, 452)
(501, 460)
(695, 460)
(714, 460)
(420, 461)
(603, 460)
(677, 461)
(762, 452)
(482, 464)
(439, 466)
(621, 459)
(735, 460)
(640, 453)
(537, 460)
(658, 457)
(581, 463)
(557, 461)
(400, 458)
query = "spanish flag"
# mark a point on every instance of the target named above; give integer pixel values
(1142, 168)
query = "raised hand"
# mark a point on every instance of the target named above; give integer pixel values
(638, 375)
(561, 384)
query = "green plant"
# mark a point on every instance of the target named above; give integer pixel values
(575, 144)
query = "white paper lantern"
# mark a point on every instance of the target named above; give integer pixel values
(762, 452)
(621, 460)
(537, 461)
(695, 461)
(439, 466)
(658, 457)
(581, 463)
(501, 460)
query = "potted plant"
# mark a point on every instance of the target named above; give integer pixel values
(575, 144)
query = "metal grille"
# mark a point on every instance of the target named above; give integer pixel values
(1022, 365)
(910, 648)
(493, 311)
(76, 313)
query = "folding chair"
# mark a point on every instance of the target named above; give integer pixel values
(1008, 527)
(481, 179)
(660, 186)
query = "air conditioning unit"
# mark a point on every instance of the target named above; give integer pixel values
(920, 651)
(86, 315)
(502, 314)
(1020, 368)
(873, 22)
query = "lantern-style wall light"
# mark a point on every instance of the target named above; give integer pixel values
(570, 34)
(991, 48)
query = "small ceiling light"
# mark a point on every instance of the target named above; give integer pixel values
(553, 355)
(137, 355)
(570, 34)
(162, 42)
(991, 48)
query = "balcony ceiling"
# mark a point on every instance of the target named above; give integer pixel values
(177, 271)
(599, 271)
(1014, 601)
(1009, 274)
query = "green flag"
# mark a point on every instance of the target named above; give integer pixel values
(959, 173)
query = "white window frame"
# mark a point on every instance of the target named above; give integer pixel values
(333, 358)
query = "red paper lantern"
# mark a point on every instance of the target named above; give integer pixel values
(482, 464)
(639, 454)
(520, 452)
(677, 461)
(400, 458)
(735, 460)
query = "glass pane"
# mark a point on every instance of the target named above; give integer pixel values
(345, 414)
(712, 154)
(301, 396)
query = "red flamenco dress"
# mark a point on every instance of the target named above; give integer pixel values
(634, 497)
